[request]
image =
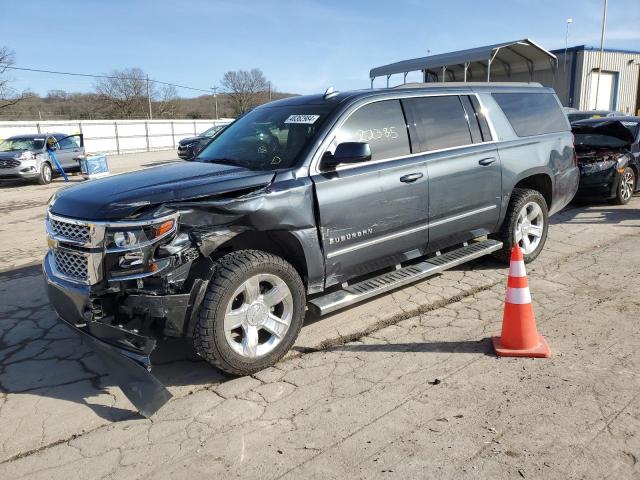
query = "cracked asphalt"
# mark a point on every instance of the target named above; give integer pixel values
(403, 386)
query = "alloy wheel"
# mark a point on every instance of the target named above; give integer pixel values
(529, 227)
(627, 182)
(258, 315)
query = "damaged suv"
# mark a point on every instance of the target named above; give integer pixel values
(316, 202)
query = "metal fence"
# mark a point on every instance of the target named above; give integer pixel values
(117, 136)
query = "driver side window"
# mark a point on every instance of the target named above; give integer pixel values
(380, 124)
(68, 143)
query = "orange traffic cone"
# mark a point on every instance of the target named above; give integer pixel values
(519, 336)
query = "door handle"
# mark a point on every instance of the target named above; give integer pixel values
(487, 161)
(411, 177)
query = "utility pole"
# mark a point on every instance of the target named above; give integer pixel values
(215, 98)
(604, 23)
(149, 99)
(269, 90)
(566, 42)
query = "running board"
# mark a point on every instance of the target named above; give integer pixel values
(398, 278)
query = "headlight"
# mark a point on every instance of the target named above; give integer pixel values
(128, 238)
(26, 155)
(598, 166)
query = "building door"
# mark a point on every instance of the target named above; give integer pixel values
(606, 92)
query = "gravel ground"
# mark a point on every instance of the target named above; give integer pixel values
(403, 386)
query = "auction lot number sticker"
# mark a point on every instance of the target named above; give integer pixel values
(308, 119)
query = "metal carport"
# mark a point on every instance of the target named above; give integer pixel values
(504, 60)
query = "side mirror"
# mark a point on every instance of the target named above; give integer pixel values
(347, 152)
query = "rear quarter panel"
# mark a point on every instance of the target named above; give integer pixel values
(550, 154)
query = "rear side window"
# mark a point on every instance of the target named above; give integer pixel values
(381, 125)
(440, 122)
(68, 143)
(532, 113)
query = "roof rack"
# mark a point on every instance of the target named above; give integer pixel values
(465, 84)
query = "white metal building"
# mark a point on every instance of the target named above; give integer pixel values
(577, 77)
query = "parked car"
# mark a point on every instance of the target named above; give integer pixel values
(316, 201)
(608, 154)
(25, 156)
(189, 147)
(584, 114)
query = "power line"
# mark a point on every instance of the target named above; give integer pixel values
(25, 69)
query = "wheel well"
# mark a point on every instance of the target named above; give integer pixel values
(280, 243)
(541, 183)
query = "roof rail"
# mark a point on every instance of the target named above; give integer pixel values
(466, 84)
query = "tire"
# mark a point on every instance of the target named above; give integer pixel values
(245, 289)
(46, 174)
(626, 186)
(521, 198)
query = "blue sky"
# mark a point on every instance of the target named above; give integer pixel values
(302, 46)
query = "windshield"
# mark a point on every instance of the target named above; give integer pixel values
(212, 131)
(598, 140)
(267, 138)
(18, 144)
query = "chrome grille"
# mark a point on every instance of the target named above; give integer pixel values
(71, 231)
(9, 163)
(72, 265)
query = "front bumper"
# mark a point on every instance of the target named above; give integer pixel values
(19, 173)
(126, 354)
(73, 304)
(602, 185)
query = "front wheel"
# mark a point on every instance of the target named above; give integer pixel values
(46, 174)
(526, 224)
(626, 185)
(252, 312)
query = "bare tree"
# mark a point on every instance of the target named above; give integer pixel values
(245, 89)
(124, 93)
(165, 100)
(8, 95)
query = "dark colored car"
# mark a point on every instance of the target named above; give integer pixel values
(577, 115)
(188, 148)
(317, 201)
(608, 155)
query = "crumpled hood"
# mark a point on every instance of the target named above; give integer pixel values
(118, 196)
(611, 128)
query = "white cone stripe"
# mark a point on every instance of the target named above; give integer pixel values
(520, 296)
(516, 269)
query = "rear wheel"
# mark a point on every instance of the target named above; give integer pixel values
(252, 313)
(46, 174)
(526, 224)
(626, 186)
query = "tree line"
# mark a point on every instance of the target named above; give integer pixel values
(128, 93)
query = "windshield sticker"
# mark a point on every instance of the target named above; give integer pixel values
(308, 119)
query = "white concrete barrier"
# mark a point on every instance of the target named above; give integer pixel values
(117, 136)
